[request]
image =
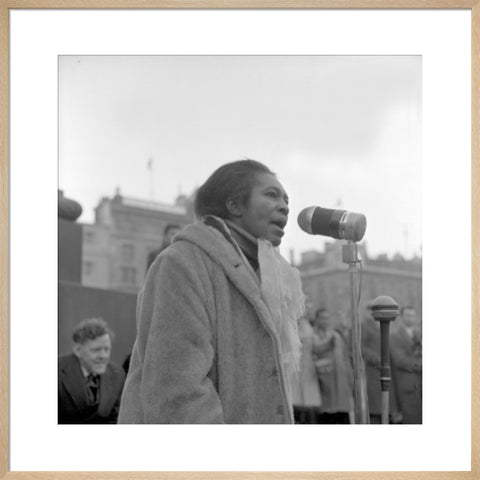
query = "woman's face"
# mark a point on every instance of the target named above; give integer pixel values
(265, 212)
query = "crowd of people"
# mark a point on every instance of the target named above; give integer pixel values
(324, 391)
(223, 332)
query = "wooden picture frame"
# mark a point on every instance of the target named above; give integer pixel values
(7, 6)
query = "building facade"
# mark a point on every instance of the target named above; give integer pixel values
(326, 281)
(116, 246)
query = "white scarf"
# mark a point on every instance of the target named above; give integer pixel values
(281, 289)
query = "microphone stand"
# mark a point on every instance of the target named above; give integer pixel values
(385, 310)
(350, 256)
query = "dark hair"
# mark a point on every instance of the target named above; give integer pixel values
(232, 181)
(90, 329)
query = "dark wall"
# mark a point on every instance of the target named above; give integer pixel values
(69, 251)
(77, 302)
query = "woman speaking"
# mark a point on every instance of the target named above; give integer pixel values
(217, 338)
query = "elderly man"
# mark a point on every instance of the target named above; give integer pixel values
(89, 385)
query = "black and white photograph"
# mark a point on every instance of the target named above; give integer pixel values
(240, 239)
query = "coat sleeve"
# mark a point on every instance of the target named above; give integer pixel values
(321, 347)
(176, 336)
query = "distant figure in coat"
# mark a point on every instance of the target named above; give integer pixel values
(307, 398)
(89, 385)
(168, 233)
(334, 370)
(406, 352)
(217, 338)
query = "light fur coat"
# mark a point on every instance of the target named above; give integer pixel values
(206, 348)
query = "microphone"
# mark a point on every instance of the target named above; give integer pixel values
(338, 224)
(385, 310)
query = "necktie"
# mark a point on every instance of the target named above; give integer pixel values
(92, 384)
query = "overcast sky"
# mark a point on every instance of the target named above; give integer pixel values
(339, 131)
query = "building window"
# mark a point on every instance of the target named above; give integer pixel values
(129, 275)
(127, 252)
(88, 268)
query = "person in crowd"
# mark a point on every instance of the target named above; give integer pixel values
(217, 337)
(334, 371)
(89, 385)
(168, 233)
(307, 398)
(406, 353)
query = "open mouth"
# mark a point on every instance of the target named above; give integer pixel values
(278, 226)
(280, 223)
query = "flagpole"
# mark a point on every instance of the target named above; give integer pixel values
(150, 168)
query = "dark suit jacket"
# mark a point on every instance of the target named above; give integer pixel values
(407, 374)
(73, 404)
